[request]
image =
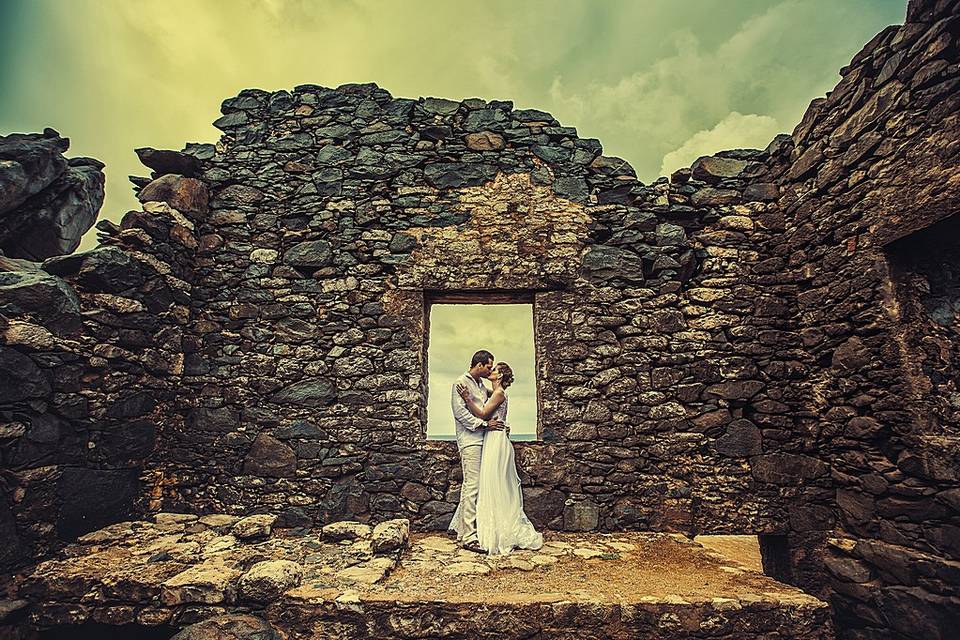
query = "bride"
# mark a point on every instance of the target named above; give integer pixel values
(501, 523)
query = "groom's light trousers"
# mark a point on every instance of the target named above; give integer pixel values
(470, 463)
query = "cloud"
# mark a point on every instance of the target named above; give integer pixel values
(733, 132)
(769, 64)
(644, 78)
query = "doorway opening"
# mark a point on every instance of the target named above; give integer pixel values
(460, 325)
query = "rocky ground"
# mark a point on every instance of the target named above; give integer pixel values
(214, 573)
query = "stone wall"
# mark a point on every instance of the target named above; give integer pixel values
(870, 196)
(336, 215)
(91, 356)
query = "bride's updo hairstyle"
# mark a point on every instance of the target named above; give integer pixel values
(506, 374)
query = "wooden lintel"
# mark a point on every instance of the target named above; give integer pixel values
(478, 296)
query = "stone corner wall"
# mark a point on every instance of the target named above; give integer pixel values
(870, 198)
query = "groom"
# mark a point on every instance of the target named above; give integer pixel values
(470, 431)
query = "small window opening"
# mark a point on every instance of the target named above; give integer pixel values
(925, 273)
(456, 330)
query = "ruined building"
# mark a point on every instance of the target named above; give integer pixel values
(765, 343)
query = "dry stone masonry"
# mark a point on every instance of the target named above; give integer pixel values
(763, 343)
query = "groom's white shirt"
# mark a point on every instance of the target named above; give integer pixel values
(469, 427)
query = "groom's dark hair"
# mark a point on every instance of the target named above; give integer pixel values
(480, 357)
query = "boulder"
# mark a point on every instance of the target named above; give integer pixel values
(345, 499)
(42, 295)
(456, 175)
(612, 166)
(391, 535)
(847, 569)
(367, 573)
(485, 141)
(205, 583)
(670, 234)
(299, 429)
(402, 243)
(26, 334)
(268, 457)
(186, 195)
(713, 169)
(602, 263)
(314, 253)
(485, 120)
(543, 505)
(581, 516)
(51, 221)
(164, 161)
(105, 269)
(29, 163)
(742, 439)
(852, 355)
(440, 106)
(234, 626)
(267, 581)
(347, 530)
(311, 392)
(711, 197)
(254, 527)
(571, 187)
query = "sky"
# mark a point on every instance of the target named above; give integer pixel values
(457, 331)
(659, 82)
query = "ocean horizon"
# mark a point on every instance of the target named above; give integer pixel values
(514, 437)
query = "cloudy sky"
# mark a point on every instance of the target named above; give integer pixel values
(659, 82)
(456, 332)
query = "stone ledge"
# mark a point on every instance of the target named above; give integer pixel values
(354, 580)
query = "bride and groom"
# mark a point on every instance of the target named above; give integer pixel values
(489, 518)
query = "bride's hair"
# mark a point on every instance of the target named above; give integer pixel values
(506, 374)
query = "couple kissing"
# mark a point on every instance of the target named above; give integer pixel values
(489, 517)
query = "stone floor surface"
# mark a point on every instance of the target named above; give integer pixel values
(351, 579)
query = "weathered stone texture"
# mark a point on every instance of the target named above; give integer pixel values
(870, 196)
(334, 218)
(189, 573)
(47, 202)
(92, 348)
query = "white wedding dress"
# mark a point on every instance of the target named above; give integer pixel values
(502, 526)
